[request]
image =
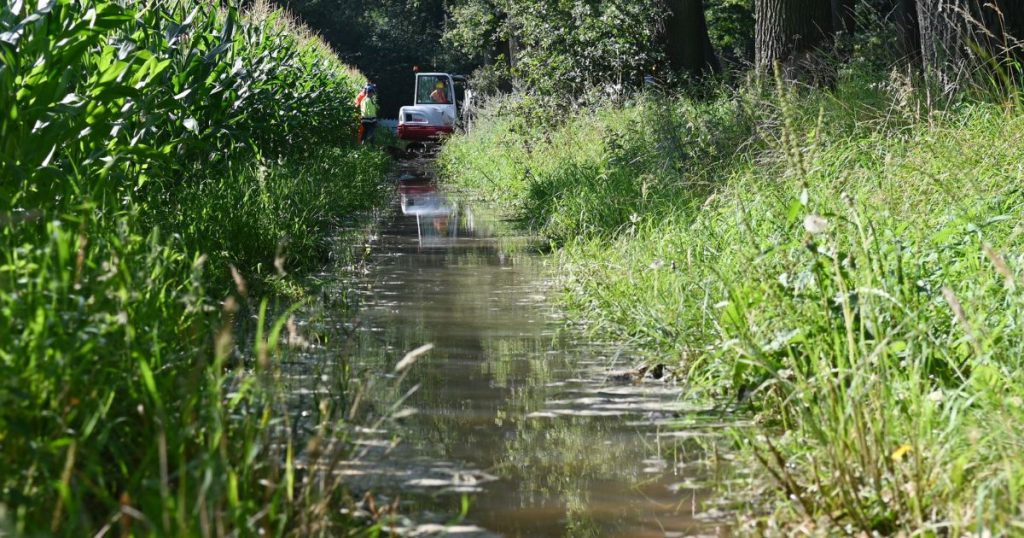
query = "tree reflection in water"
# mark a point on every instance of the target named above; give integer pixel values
(510, 404)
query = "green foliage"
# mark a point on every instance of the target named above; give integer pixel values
(610, 42)
(560, 48)
(385, 39)
(292, 206)
(562, 178)
(146, 149)
(130, 90)
(850, 269)
(731, 27)
(477, 29)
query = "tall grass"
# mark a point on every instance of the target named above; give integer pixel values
(843, 263)
(158, 159)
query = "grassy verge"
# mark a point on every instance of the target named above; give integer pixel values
(845, 264)
(159, 161)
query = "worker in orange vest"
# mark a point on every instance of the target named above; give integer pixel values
(362, 95)
(367, 90)
(440, 94)
(368, 111)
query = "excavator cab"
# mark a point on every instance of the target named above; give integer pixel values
(439, 106)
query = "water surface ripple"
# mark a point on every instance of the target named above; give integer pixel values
(513, 410)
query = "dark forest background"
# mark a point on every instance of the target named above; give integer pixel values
(572, 49)
(550, 45)
(385, 39)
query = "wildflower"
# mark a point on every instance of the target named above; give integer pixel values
(815, 225)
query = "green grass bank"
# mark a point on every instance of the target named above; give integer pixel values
(163, 165)
(846, 263)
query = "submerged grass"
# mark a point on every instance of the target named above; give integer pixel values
(847, 265)
(158, 162)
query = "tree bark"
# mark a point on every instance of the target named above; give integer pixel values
(961, 36)
(785, 29)
(790, 31)
(905, 15)
(687, 44)
(999, 26)
(1013, 16)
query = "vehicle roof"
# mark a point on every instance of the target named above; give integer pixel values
(439, 74)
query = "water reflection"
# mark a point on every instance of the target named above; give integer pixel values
(437, 221)
(510, 407)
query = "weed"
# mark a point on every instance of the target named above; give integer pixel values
(850, 273)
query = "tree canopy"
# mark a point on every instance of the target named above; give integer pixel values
(567, 48)
(385, 40)
(558, 47)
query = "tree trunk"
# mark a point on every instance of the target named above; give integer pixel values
(999, 26)
(1013, 15)
(844, 24)
(960, 36)
(686, 40)
(789, 31)
(905, 15)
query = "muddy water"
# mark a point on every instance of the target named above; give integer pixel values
(538, 432)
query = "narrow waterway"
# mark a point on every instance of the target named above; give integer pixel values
(512, 414)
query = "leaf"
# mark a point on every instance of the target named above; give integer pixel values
(46, 6)
(948, 231)
(794, 211)
(12, 37)
(217, 51)
(49, 157)
(113, 72)
(150, 382)
(125, 49)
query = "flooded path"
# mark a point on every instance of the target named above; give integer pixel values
(511, 412)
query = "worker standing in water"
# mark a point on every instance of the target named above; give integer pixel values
(368, 114)
(359, 107)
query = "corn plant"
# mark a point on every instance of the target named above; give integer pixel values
(147, 151)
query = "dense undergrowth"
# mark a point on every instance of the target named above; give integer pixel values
(159, 163)
(846, 262)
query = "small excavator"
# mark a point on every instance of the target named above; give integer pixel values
(441, 103)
